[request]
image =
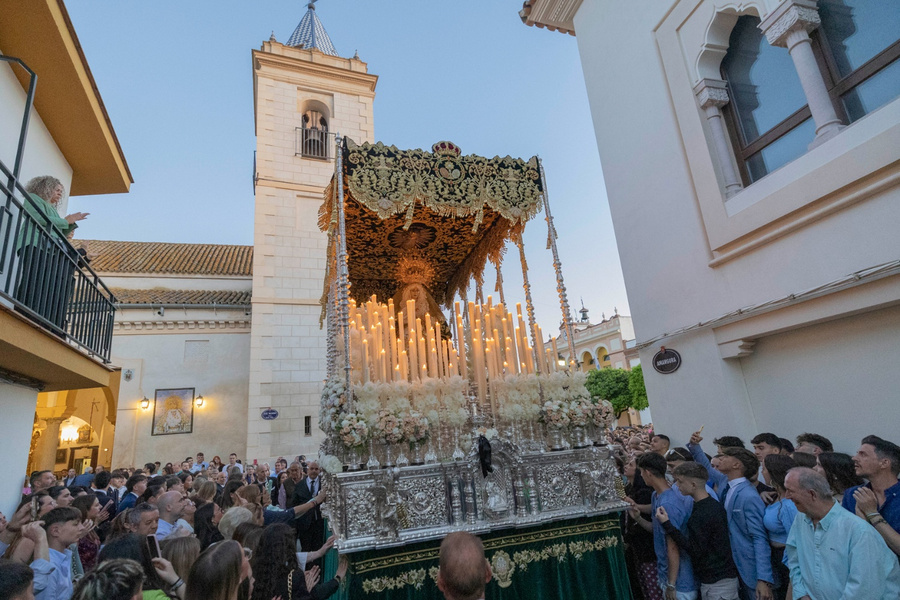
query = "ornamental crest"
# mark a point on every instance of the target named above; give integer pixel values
(503, 568)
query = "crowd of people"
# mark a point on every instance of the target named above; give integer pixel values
(774, 521)
(201, 530)
(777, 520)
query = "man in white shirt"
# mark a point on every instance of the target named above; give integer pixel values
(171, 507)
(232, 463)
(832, 554)
(52, 563)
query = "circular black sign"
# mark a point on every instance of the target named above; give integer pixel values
(666, 361)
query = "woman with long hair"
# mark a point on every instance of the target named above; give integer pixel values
(206, 524)
(89, 544)
(778, 518)
(187, 479)
(182, 552)
(115, 579)
(161, 582)
(278, 572)
(205, 492)
(839, 470)
(218, 572)
(169, 469)
(228, 497)
(217, 462)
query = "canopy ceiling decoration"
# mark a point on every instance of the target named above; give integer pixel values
(448, 212)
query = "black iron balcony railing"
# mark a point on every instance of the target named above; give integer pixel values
(41, 274)
(314, 143)
(45, 277)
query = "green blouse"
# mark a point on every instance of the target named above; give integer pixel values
(44, 213)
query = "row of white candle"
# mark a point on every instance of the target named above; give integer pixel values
(388, 345)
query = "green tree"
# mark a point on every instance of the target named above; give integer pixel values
(612, 385)
(637, 389)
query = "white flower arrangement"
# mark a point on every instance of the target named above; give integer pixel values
(333, 399)
(602, 414)
(555, 413)
(389, 427)
(489, 434)
(415, 426)
(580, 410)
(353, 430)
(330, 463)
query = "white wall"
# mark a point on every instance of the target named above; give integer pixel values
(15, 440)
(42, 157)
(159, 361)
(839, 379)
(639, 65)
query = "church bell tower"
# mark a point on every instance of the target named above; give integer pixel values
(303, 93)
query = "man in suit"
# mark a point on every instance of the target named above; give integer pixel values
(70, 478)
(749, 542)
(106, 496)
(286, 491)
(310, 526)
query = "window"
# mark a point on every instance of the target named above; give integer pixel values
(858, 49)
(771, 123)
(859, 41)
(314, 135)
(307, 425)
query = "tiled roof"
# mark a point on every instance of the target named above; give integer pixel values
(159, 257)
(166, 296)
(310, 33)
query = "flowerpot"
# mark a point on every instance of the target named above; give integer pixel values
(579, 439)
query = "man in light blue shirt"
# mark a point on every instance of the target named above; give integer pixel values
(52, 563)
(832, 554)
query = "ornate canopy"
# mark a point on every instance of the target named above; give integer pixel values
(438, 215)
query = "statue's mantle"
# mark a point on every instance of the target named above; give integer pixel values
(392, 507)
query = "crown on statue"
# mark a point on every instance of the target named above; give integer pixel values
(414, 269)
(446, 148)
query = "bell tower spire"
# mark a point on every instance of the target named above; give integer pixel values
(310, 33)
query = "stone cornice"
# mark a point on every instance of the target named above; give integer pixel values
(181, 326)
(293, 70)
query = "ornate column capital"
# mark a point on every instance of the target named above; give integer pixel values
(790, 16)
(711, 92)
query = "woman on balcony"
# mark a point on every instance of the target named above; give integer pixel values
(46, 260)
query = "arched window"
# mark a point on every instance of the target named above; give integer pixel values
(314, 135)
(770, 121)
(860, 46)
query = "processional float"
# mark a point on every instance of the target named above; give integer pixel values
(438, 423)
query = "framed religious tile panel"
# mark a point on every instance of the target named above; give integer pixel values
(173, 411)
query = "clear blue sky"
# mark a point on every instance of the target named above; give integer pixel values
(176, 79)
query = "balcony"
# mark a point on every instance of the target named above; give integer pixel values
(42, 276)
(314, 143)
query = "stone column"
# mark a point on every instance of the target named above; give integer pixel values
(47, 445)
(788, 26)
(712, 96)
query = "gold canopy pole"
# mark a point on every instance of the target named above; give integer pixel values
(343, 274)
(557, 266)
(529, 306)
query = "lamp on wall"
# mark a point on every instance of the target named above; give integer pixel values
(145, 403)
(198, 402)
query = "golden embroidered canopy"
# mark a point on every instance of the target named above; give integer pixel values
(433, 218)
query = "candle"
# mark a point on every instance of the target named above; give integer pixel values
(365, 354)
(411, 314)
(555, 352)
(400, 335)
(413, 355)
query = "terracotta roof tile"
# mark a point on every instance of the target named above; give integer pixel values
(160, 257)
(167, 296)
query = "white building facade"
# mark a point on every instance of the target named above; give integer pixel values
(751, 153)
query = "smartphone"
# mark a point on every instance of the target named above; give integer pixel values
(153, 544)
(35, 508)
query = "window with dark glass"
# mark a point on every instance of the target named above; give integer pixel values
(858, 48)
(859, 42)
(771, 123)
(307, 425)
